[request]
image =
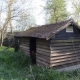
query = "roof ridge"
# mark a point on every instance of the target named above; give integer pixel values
(71, 20)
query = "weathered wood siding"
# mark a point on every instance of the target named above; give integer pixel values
(65, 49)
(24, 45)
(43, 52)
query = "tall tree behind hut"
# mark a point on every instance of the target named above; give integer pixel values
(76, 10)
(7, 19)
(12, 9)
(55, 10)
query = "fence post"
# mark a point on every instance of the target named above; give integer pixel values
(16, 45)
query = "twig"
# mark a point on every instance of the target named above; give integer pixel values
(32, 72)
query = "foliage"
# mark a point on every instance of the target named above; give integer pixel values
(56, 9)
(76, 10)
(17, 66)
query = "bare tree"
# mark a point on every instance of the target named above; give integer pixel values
(25, 21)
(7, 20)
(76, 10)
(14, 9)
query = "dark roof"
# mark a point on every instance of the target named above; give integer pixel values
(46, 31)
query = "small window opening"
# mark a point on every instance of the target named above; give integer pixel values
(69, 29)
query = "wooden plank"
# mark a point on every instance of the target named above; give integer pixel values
(25, 47)
(44, 63)
(61, 38)
(65, 51)
(64, 44)
(27, 39)
(25, 44)
(24, 50)
(23, 41)
(64, 47)
(67, 40)
(43, 56)
(62, 63)
(43, 53)
(61, 51)
(64, 60)
(43, 43)
(43, 59)
(43, 46)
(43, 50)
(58, 66)
(63, 57)
(66, 65)
(42, 40)
(58, 54)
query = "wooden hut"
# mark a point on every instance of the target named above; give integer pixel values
(53, 45)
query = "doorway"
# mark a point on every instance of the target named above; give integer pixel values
(33, 50)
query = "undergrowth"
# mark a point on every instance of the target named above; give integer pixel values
(17, 66)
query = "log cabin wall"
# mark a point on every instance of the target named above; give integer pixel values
(43, 52)
(24, 45)
(65, 49)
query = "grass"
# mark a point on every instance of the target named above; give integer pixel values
(17, 66)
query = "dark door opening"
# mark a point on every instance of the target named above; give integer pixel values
(33, 50)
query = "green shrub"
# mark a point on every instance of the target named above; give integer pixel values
(16, 59)
(48, 74)
(17, 66)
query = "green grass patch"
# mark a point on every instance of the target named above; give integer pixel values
(17, 66)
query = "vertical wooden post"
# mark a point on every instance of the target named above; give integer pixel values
(16, 45)
(1, 39)
(33, 50)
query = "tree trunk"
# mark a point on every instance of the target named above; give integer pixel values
(11, 27)
(2, 39)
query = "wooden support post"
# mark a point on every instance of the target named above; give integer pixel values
(16, 45)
